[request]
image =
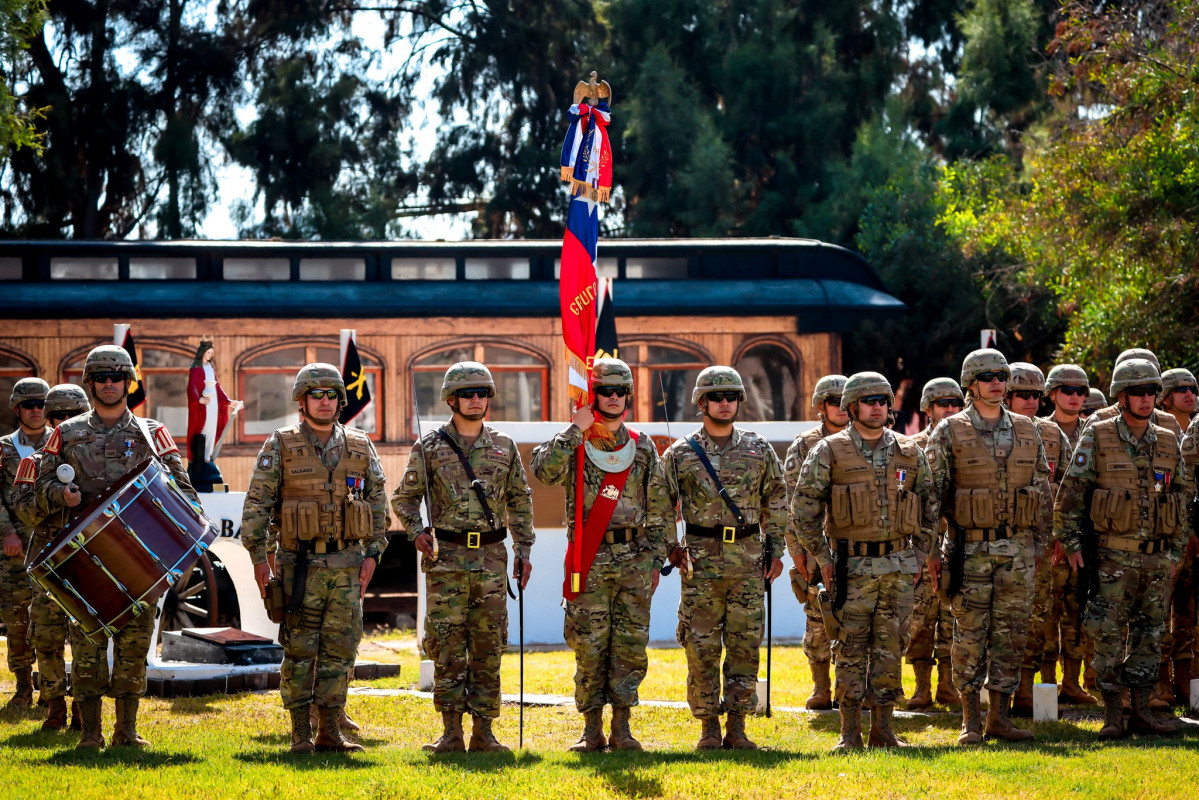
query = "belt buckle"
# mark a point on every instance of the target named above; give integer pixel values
(472, 540)
(729, 534)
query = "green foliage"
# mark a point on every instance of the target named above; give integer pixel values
(19, 20)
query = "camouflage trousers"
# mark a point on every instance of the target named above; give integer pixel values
(990, 616)
(1127, 618)
(931, 632)
(816, 645)
(320, 640)
(874, 626)
(1062, 624)
(48, 633)
(90, 675)
(607, 627)
(1178, 641)
(728, 611)
(1038, 618)
(16, 593)
(466, 634)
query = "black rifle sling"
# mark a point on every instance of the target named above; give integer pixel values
(470, 474)
(724, 495)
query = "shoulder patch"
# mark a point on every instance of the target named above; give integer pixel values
(411, 477)
(54, 443)
(163, 442)
(1080, 459)
(266, 462)
(26, 471)
(931, 454)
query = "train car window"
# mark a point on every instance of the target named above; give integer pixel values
(332, 269)
(604, 267)
(771, 375)
(659, 268)
(83, 269)
(660, 367)
(177, 269)
(257, 269)
(10, 269)
(423, 269)
(497, 269)
(521, 382)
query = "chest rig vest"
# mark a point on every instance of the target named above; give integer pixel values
(318, 503)
(1051, 440)
(990, 490)
(1132, 496)
(872, 504)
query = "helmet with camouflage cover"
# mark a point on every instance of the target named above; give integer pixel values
(467, 375)
(28, 389)
(865, 384)
(1095, 400)
(1138, 352)
(67, 397)
(1066, 375)
(718, 379)
(1134, 372)
(940, 389)
(986, 360)
(318, 376)
(826, 387)
(1177, 378)
(611, 372)
(108, 358)
(1026, 378)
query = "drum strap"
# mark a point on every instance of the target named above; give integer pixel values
(145, 431)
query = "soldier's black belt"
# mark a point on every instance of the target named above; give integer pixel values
(725, 533)
(320, 547)
(885, 548)
(975, 535)
(1126, 544)
(473, 540)
(621, 535)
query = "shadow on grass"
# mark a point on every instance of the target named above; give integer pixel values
(126, 756)
(485, 762)
(204, 704)
(40, 739)
(622, 773)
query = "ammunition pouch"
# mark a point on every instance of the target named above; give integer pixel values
(828, 615)
(1168, 514)
(358, 520)
(276, 605)
(799, 584)
(1112, 510)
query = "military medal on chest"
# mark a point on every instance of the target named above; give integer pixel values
(901, 475)
(1162, 479)
(129, 448)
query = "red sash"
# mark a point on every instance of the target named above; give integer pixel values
(596, 524)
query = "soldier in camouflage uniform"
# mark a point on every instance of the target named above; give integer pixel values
(466, 614)
(28, 402)
(1162, 418)
(49, 628)
(1024, 393)
(324, 485)
(103, 446)
(607, 624)
(931, 631)
(992, 479)
(1095, 402)
(731, 555)
(805, 575)
(877, 490)
(1127, 478)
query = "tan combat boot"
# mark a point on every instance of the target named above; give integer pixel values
(1070, 692)
(822, 688)
(346, 723)
(56, 715)
(482, 740)
(124, 728)
(972, 725)
(998, 723)
(23, 697)
(1162, 696)
(851, 729)
(1182, 682)
(621, 738)
(946, 694)
(881, 734)
(76, 717)
(734, 733)
(1049, 671)
(592, 738)
(709, 737)
(328, 734)
(451, 740)
(92, 738)
(1141, 720)
(1113, 717)
(922, 698)
(1022, 701)
(301, 730)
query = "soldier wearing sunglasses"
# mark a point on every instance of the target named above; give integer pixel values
(28, 401)
(992, 480)
(466, 619)
(1179, 395)
(1160, 417)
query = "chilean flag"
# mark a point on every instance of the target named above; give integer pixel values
(577, 293)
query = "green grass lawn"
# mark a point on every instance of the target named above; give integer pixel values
(235, 746)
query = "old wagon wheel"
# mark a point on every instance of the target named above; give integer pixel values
(192, 601)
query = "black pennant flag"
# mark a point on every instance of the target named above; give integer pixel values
(358, 394)
(606, 343)
(137, 387)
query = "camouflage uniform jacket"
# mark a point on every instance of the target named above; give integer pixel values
(1190, 457)
(1072, 440)
(263, 500)
(102, 457)
(12, 520)
(920, 437)
(999, 439)
(751, 474)
(1083, 475)
(1163, 418)
(496, 463)
(813, 492)
(644, 503)
(1051, 432)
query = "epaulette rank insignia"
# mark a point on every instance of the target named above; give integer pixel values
(26, 471)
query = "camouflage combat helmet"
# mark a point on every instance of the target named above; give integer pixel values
(108, 358)
(826, 387)
(865, 384)
(1026, 378)
(939, 389)
(1066, 375)
(1095, 400)
(985, 360)
(611, 372)
(28, 389)
(1139, 352)
(467, 375)
(67, 397)
(318, 376)
(716, 379)
(1177, 378)
(1134, 372)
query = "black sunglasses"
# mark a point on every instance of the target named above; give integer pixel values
(1086, 412)
(1075, 391)
(108, 377)
(876, 400)
(323, 394)
(1026, 394)
(58, 416)
(612, 391)
(1187, 390)
(723, 397)
(949, 402)
(479, 391)
(991, 377)
(1142, 391)
(30, 405)
(836, 401)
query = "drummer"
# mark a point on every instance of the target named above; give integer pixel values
(103, 446)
